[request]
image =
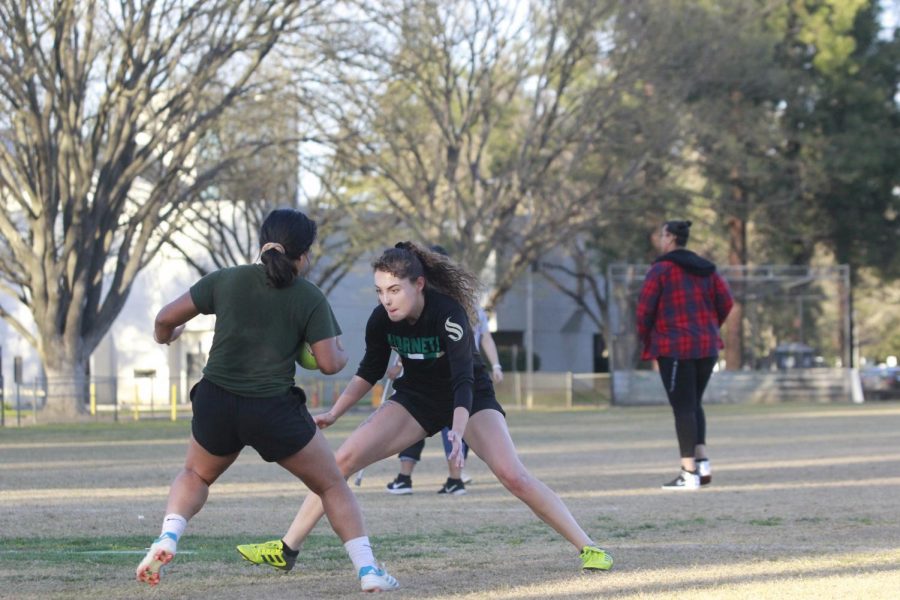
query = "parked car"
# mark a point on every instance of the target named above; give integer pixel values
(881, 382)
(793, 356)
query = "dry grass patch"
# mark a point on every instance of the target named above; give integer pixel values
(803, 505)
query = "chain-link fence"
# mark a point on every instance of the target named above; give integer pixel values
(142, 397)
(788, 336)
(128, 398)
(553, 390)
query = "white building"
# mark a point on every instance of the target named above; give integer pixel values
(130, 367)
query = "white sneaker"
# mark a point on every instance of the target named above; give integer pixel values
(373, 579)
(685, 481)
(161, 552)
(704, 469)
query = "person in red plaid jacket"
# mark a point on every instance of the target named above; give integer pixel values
(682, 305)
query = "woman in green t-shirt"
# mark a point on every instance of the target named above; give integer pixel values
(265, 314)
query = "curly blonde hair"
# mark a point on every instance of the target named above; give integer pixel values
(408, 260)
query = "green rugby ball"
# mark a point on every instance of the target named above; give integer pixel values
(306, 358)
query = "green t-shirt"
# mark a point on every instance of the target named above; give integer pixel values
(259, 329)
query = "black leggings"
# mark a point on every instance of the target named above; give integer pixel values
(685, 380)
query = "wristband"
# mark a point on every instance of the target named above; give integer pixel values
(497, 367)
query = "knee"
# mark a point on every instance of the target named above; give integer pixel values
(345, 460)
(517, 480)
(328, 487)
(191, 473)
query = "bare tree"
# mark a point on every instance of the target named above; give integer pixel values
(102, 108)
(265, 135)
(495, 128)
(256, 141)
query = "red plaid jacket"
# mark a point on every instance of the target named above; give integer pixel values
(682, 304)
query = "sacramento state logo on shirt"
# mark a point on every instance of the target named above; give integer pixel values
(418, 348)
(454, 331)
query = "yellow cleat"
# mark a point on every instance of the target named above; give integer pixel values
(268, 553)
(595, 559)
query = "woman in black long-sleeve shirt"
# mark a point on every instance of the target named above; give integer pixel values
(426, 305)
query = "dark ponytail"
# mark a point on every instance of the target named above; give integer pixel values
(292, 231)
(681, 230)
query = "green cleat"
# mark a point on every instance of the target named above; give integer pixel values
(268, 553)
(595, 559)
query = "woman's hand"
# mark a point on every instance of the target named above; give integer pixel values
(455, 458)
(174, 335)
(325, 420)
(394, 372)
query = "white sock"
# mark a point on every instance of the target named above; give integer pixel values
(360, 552)
(174, 524)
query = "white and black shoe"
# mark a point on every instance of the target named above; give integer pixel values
(453, 487)
(686, 481)
(401, 485)
(704, 469)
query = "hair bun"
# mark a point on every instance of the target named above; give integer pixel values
(402, 245)
(687, 223)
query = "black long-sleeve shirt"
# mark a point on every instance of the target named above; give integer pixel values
(440, 361)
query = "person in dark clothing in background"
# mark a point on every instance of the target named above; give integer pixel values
(682, 304)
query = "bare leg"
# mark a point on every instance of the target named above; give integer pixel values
(316, 467)
(386, 432)
(410, 456)
(688, 464)
(190, 488)
(488, 435)
(187, 495)
(407, 467)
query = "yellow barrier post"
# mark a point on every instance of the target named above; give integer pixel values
(377, 392)
(93, 393)
(174, 396)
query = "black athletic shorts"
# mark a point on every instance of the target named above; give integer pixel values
(433, 415)
(276, 427)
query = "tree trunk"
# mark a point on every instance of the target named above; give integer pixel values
(737, 256)
(67, 390)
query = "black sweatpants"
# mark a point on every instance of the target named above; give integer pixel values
(685, 380)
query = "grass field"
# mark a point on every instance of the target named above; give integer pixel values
(805, 503)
